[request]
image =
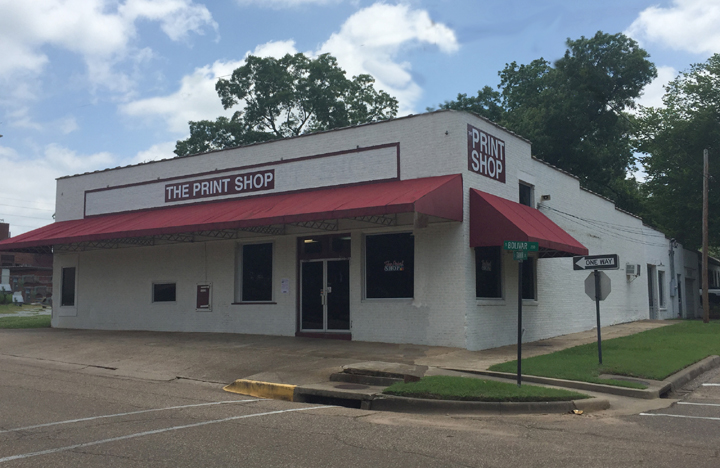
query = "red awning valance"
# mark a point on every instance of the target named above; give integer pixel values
(440, 197)
(494, 220)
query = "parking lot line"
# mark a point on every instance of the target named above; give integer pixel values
(156, 431)
(674, 416)
(711, 385)
(117, 415)
(697, 404)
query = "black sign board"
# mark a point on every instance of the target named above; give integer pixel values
(596, 262)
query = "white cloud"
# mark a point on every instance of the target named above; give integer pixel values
(653, 93)
(197, 99)
(279, 4)
(368, 42)
(67, 124)
(689, 25)
(28, 184)
(155, 153)
(371, 39)
(90, 28)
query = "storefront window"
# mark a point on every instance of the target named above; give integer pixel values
(256, 273)
(661, 288)
(67, 296)
(488, 272)
(528, 279)
(389, 266)
(164, 292)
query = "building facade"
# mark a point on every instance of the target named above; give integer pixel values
(388, 232)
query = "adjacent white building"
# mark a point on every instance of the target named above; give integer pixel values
(389, 232)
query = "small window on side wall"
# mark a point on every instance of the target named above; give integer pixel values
(67, 293)
(526, 194)
(488, 272)
(389, 266)
(164, 292)
(256, 285)
(528, 279)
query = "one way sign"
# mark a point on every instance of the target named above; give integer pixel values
(596, 262)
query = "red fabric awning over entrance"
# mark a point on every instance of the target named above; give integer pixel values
(494, 220)
(440, 196)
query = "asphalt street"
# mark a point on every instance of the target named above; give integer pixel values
(61, 414)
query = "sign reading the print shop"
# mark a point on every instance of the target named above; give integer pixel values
(486, 154)
(219, 186)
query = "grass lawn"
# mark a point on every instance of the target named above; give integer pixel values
(653, 354)
(35, 321)
(440, 387)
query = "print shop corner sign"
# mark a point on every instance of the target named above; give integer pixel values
(219, 186)
(486, 154)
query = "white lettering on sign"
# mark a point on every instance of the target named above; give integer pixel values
(394, 265)
(227, 185)
(486, 154)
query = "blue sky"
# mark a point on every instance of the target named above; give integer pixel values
(91, 84)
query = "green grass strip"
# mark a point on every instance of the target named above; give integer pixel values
(36, 321)
(440, 387)
(652, 354)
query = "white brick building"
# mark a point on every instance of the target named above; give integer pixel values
(386, 232)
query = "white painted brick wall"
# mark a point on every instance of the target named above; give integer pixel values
(114, 285)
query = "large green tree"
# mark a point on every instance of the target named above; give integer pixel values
(673, 138)
(573, 110)
(289, 96)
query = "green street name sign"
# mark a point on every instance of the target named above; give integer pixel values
(521, 246)
(519, 255)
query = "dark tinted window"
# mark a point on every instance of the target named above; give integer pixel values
(257, 272)
(528, 279)
(390, 265)
(67, 296)
(526, 195)
(488, 272)
(164, 292)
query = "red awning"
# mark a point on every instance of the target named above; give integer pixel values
(440, 196)
(494, 220)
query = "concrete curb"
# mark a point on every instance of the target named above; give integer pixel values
(684, 376)
(419, 405)
(260, 389)
(588, 386)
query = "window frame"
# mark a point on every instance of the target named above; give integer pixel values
(239, 273)
(501, 278)
(531, 188)
(163, 283)
(63, 289)
(533, 261)
(365, 267)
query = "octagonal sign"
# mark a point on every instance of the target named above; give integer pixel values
(604, 285)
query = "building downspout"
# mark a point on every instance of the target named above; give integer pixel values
(673, 280)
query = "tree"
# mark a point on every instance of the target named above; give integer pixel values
(573, 111)
(673, 139)
(287, 97)
(486, 103)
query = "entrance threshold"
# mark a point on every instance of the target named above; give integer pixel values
(327, 336)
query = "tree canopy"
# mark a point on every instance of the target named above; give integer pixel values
(573, 110)
(673, 139)
(285, 97)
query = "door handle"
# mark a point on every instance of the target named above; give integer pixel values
(322, 297)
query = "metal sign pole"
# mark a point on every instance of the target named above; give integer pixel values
(597, 311)
(519, 343)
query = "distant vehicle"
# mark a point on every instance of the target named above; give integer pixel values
(713, 296)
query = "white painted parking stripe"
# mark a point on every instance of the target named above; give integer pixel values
(697, 404)
(711, 385)
(156, 431)
(674, 416)
(117, 415)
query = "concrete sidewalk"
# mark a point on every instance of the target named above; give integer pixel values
(223, 358)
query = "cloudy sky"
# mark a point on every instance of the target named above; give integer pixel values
(92, 84)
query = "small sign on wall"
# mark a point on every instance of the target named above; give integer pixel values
(204, 297)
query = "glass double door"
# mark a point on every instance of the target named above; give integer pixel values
(325, 295)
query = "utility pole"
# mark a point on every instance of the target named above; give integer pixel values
(705, 298)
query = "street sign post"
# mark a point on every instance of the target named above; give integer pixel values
(520, 250)
(597, 285)
(596, 262)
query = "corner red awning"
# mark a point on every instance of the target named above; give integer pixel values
(494, 220)
(440, 197)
